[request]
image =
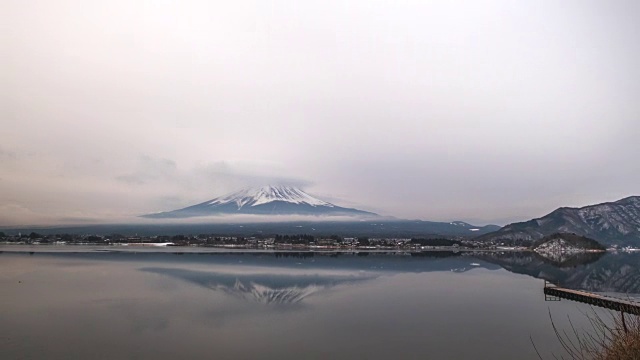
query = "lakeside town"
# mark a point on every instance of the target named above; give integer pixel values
(275, 242)
(548, 248)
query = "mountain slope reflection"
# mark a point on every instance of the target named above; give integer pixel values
(262, 288)
(596, 272)
(560, 259)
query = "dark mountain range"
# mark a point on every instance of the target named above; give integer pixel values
(612, 223)
(266, 200)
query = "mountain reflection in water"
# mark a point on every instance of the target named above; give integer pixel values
(262, 288)
(595, 272)
(201, 304)
(290, 277)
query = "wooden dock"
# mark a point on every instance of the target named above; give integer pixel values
(624, 306)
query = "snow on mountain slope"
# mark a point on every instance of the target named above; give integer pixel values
(253, 291)
(267, 194)
(266, 200)
(612, 223)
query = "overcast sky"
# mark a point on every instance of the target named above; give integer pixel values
(484, 111)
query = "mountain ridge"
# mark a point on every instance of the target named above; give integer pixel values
(265, 200)
(611, 223)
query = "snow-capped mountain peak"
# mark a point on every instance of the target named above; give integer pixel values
(265, 200)
(267, 194)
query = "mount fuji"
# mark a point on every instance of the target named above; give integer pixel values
(266, 200)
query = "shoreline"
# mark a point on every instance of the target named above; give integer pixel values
(12, 247)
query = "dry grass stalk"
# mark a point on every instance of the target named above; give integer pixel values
(617, 339)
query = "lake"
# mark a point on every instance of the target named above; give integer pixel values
(87, 303)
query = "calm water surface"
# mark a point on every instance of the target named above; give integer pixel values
(150, 305)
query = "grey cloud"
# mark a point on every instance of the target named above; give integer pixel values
(444, 110)
(247, 175)
(157, 170)
(132, 179)
(7, 154)
(176, 186)
(150, 169)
